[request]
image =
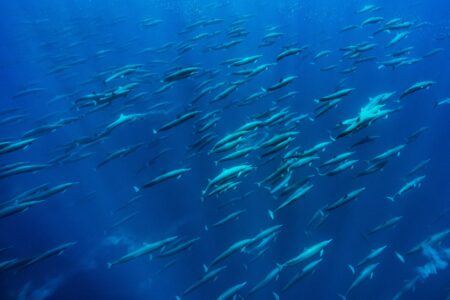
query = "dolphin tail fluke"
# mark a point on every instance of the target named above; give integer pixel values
(318, 172)
(136, 189)
(351, 268)
(109, 265)
(342, 297)
(400, 257)
(267, 188)
(391, 198)
(333, 139)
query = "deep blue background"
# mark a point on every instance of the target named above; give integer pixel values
(175, 207)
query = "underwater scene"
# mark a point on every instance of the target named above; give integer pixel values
(205, 149)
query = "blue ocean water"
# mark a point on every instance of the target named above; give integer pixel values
(61, 64)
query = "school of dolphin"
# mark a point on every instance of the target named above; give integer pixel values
(266, 154)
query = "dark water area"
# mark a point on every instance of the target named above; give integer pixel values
(72, 70)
